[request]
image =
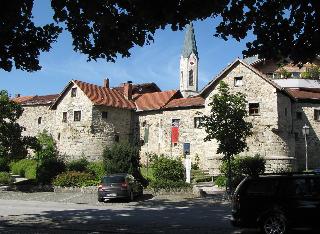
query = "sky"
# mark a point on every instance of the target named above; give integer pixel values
(158, 62)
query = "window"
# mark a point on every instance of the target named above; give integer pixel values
(262, 187)
(269, 75)
(59, 135)
(73, 92)
(77, 116)
(295, 74)
(191, 77)
(104, 115)
(64, 117)
(197, 122)
(39, 120)
(116, 138)
(299, 115)
(317, 115)
(254, 109)
(238, 81)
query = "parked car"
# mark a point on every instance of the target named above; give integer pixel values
(276, 203)
(120, 185)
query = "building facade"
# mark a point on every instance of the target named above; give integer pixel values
(85, 118)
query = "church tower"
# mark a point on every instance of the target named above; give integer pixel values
(189, 65)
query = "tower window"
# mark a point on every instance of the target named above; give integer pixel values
(73, 92)
(77, 116)
(299, 115)
(191, 78)
(317, 115)
(238, 81)
(39, 120)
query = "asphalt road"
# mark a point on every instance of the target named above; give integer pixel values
(81, 213)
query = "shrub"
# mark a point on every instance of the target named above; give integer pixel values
(221, 181)
(80, 165)
(96, 169)
(241, 167)
(47, 148)
(48, 169)
(168, 185)
(74, 179)
(5, 178)
(166, 169)
(4, 164)
(25, 168)
(123, 158)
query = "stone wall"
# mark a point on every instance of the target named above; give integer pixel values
(307, 110)
(30, 116)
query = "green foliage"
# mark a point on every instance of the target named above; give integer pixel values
(97, 170)
(4, 164)
(12, 144)
(312, 73)
(168, 185)
(241, 167)
(49, 169)
(195, 165)
(5, 178)
(80, 165)
(74, 179)
(226, 122)
(121, 158)
(47, 147)
(25, 168)
(284, 73)
(199, 176)
(166, 169)
(221, 181)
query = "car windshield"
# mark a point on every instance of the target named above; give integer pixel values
(113, 179)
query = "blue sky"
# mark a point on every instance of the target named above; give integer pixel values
(158, 62)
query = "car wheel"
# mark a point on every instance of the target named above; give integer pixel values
(274, 223)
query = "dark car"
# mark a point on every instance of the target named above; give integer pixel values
(120, 185)
(276, 203)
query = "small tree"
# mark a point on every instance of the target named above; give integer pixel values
(123, 158)
(12, 144)
(226, 123)
(313, 72)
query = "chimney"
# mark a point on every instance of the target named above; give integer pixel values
(18, 95)
(127, 90)
(106, 83)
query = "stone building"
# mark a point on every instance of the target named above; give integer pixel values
(85, 118)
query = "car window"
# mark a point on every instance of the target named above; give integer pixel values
(298, 187)
(262, 187)
(113, 179)
(315, 186)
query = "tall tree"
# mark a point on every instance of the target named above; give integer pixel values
(108, 28)
(227, 125)
(12, 144)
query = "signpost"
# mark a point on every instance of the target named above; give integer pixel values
(187, 161)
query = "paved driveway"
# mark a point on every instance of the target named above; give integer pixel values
(81, 213)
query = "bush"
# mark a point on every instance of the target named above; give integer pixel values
(47, 147)
(123, 158)
(241, 167)
(49, 169)
(221, 181)
(5, 178)
(74, 179)
(166, 169)
(25, 168)
(80, 165)
(96, 169)
(168, 185)
(4, 164)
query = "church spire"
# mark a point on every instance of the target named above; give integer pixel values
(189, 42)
(189, 65)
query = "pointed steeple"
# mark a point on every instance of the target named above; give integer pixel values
(189, 42)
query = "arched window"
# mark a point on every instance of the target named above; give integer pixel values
(191, 77)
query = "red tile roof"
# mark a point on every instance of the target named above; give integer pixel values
(304, 93)
(104, 96)
(156, 100)
(185, 102)
(37, 100)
